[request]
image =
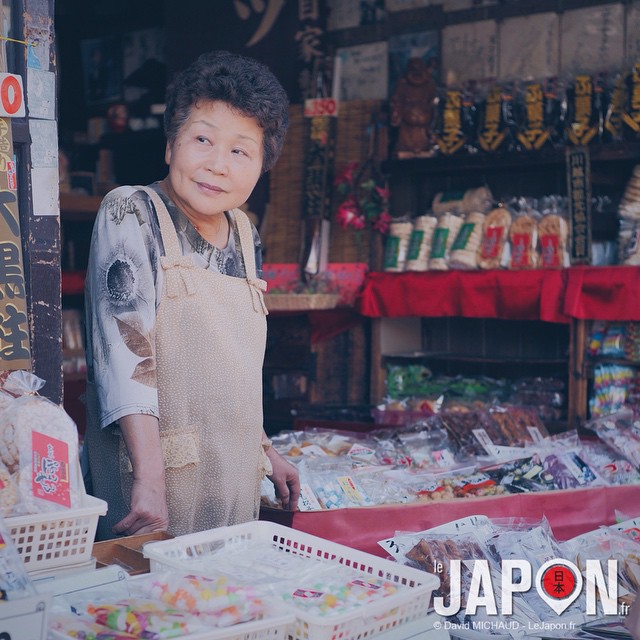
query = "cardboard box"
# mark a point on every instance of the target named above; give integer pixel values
(126, 552)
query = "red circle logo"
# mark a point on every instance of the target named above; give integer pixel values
(11, 95)
(558, 581)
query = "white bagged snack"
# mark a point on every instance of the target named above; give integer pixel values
(464, 251)
(420, 243)
(445, 233)
(39, 452)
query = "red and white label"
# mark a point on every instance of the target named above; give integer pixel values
(320, 107)
(11, 96)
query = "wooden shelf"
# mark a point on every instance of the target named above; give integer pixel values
(498, 162)
(461, 357)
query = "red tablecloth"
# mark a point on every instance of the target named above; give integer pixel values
(603, 293)
(569, 513)
(597, 293)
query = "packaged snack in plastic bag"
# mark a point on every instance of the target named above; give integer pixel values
(621, 431)
(464, 250)
(14, 580)
(443, 237)
(496, 233)
(40, 448)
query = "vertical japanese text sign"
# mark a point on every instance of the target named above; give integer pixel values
(579, 201)
(14, 328)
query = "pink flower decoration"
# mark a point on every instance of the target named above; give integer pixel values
(383, 192)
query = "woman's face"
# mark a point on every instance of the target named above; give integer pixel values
(215, 160)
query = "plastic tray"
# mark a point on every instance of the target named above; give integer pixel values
(57, 539)
(364, 622)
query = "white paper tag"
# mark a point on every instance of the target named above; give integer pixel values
(308, 500)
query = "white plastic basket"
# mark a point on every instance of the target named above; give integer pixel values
(57, 539)
(363, 622)
(272, 627)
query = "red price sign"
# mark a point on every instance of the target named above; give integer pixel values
(11, 96)
(320, 107)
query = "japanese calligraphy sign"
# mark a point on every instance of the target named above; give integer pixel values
(451, 137)
(14, 330)
(318, 176)
(579, 202)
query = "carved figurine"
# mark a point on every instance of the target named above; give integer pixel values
(413, 110)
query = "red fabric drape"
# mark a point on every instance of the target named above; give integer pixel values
(603, 293)
(607, 293)
(570, 513)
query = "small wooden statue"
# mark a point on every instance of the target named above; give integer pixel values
(413, 110)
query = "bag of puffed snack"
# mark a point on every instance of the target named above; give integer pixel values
(464, 250)
(480, 199)
(446, 201)
(420, 243)
(445, 233)
(397, 244)
(553, 232)
(9, 496)
(629, 242)
(40, 448)
(523, 239)
(492, 253)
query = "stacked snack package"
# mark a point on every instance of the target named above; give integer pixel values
(38, 451)
(612, 386)
(621, 431)
(586, 110)
(553, 233)
(397, 245)
(477, 540)
(464, 251)
(546, 395)
(629, 214)
(496, 121)
(452, 124)
(540, 109)
(420, 243)
(443, 237)
(523, 235)
(494, 247)
(631, 110)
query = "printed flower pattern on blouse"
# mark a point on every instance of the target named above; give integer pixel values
(123, 290)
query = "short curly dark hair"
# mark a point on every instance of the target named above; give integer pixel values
(244, 84)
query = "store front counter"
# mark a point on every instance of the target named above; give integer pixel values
(570, 513)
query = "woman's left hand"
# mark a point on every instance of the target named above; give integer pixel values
(285, 479)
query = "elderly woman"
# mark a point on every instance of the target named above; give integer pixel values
(176, 321)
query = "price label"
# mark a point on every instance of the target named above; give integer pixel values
(11, 96)
(320, 107)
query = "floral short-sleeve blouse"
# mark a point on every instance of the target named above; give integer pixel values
(123, 290)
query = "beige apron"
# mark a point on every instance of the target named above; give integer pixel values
(210, 342)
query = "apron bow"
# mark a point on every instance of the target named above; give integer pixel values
(257, 288)
(179, 275)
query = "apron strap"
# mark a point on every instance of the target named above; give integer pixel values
(178, 268)
(256, 285)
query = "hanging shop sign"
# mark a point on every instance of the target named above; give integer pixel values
(451, 137)
(583, 110)
(11, 96)
(631, 116)
(579, 201)
(14, 329)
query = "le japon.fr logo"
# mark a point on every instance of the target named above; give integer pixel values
(558, 582)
